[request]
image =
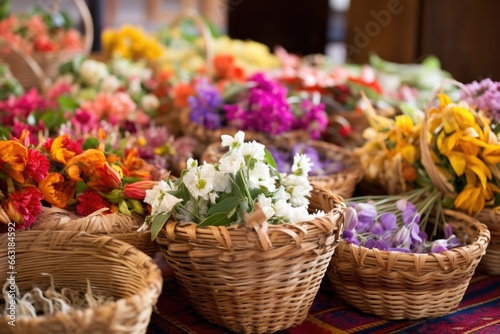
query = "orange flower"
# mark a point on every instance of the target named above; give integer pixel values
(226, 68)
(92, 168)
(57, 190)
(133, 166)
(59, 151)
(181, 93)
(13, 158)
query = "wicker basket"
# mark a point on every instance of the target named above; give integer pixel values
(120, 226)
(260, 279)
(114, 268)
(398, 285)
(342, 183)
(37, 69)
(490, 263)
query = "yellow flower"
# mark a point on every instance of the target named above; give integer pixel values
(474, 197)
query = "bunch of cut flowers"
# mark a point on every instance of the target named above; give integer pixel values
(39, 30)
(22, 169)
(260, 104)
(245, 180)
(117, 90)
(452, 150)
(400, 223)
(85, 176)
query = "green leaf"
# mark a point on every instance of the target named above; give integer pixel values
(157, 224)
(270, 160)
(52, 119)
(218, 219)
(224, 206)
(81, 187)
(67, 102)
(89, 143)
(127, 180)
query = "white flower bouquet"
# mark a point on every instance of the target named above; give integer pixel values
(244, 181)
(249, 246)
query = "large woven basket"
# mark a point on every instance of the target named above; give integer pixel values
(37, 69)
(120, 226)
(490, 263)
(114, 269)
(342, 183)
(398, 285)
(255, 280)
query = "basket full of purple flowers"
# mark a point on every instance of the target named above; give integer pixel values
(402, 258)
(262, 107)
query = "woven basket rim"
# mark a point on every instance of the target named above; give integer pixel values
(222, 236)
(153, 278)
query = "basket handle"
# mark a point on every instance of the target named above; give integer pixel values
(205, 33)
(88, 25)
(257, 221)
(33, 65)
(426, 158)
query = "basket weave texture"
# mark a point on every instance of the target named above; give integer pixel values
(398, 285)
(113, 268)
(342, 183)
(490, 263)
(255, 280)
(120, 226)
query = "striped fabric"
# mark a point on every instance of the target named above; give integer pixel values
(479, 312)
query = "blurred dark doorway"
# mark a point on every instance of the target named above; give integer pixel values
(297, 25)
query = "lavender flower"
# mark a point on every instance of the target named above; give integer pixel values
(485, 96)
(365, 226)
(205, 106)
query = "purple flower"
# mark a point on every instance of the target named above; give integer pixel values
(264, 109)
(377, 229)
(205, 106)
(439, 245)
(313, 118)
(350, 219)
(388, 220)
(485, 96)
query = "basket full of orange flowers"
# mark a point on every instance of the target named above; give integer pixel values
(72, 185)
(35, 43)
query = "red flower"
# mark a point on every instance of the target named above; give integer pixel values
(137, 190)
(89, 202)
(23, 206)
(37, 165)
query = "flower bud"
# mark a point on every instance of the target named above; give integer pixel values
(137, 190)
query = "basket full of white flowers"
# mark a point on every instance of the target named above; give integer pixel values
(249, 246)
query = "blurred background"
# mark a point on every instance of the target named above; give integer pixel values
(463, 34)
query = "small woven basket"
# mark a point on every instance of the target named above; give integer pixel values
(342, 183)
(120, 226)
(398, 285)
(37, 69)
(256, 279)
(490, 263)
(114, 269)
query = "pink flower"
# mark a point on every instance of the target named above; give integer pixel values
(23, 206)
(58, 89)
(72, 40)
(37, 165)
(122, 106)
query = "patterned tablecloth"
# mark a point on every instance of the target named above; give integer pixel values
(479, 312)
